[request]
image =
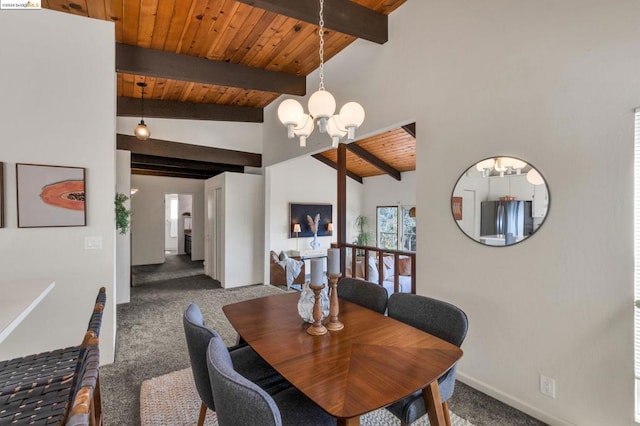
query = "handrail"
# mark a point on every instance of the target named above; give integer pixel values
(380, 253)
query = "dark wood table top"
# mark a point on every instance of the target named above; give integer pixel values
(371, 363)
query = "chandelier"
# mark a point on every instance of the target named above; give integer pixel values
(141, 131)
(322, 107)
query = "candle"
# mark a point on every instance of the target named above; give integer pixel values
(316, 271)
(333, 261)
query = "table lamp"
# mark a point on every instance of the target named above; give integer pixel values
(296, 229)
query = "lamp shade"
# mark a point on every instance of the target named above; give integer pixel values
(485, 164)
(334, 131)
(142, 132)
(290, 112)
(296, 228)
(304, 129)
(351, 116)
(322, 104)
(330, 226)
(534, 177)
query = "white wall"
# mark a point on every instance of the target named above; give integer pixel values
(555, 84)
(147, 220)
(304, 180)
(57, 107)
(386, 191)
(242, 233)
(226, 135)
(123, 242)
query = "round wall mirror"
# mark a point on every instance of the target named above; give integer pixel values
(500, 201)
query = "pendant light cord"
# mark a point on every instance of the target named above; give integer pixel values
(142, 106)
(321, 50)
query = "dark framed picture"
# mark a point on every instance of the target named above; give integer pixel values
(1, 195)
(50, 196)
(305, 215)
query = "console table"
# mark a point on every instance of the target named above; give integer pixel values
(19, 298)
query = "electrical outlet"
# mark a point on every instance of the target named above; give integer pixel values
(547, 386)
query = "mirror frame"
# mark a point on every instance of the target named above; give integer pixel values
(471, 167)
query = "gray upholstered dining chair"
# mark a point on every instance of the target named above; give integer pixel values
(245, 360)
(440, 319)
(364, 293)
(241, 402)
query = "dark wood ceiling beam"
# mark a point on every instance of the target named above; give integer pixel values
(173, 173)
(375, 161)
(158, 63)
(163, 163)
(333, 165)
(410, 128)
(161, 148)
(339, 15)
(130, 107)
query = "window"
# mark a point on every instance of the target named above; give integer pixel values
(396, 228)
(408, 230)
(387, 234)
(636, 243)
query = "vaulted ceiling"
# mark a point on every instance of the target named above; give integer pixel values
(223, 59)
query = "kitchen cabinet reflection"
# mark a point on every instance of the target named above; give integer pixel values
(500, 201)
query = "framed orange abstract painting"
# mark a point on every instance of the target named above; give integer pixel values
(50, 196)
(456, 207)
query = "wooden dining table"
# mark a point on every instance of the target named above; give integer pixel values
(372, 362)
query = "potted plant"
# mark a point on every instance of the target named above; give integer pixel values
(364, 237)
(122, 214)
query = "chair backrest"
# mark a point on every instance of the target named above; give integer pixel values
(198, 336)
(363, 293)
(441, 319)
(82, 408)
(239, 401)
(95, 321)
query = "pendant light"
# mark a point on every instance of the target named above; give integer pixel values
(141, 131)
(322, 107)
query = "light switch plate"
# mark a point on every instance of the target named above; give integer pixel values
(92, 243)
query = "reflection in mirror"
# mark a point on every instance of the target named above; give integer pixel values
(500, 201)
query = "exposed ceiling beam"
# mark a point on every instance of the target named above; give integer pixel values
(157, 63)
(150, 162)
(375, 161)
(330, 163)
(410, 128)
(130, 107)
(339, 15)
(173, 173)
(160, 148)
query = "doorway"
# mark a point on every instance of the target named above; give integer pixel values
(177, 229)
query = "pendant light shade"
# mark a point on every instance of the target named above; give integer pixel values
(322, 107)
(142, 131)
(534, 177)
(290, 113)
(352, 116)
(335, 131)
(304, 130)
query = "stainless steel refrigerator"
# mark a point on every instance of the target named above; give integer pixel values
(506, 217)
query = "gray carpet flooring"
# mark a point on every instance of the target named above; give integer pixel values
(150, 341)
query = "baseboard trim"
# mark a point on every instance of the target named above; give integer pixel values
(510, 400)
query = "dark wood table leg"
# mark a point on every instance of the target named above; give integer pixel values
(353, 421)
(431, 395)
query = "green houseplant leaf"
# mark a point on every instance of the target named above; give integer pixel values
(122, 214)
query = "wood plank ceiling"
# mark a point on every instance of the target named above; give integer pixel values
(395, 150)
(223, 59)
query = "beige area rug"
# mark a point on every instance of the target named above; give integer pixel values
(173, 400)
